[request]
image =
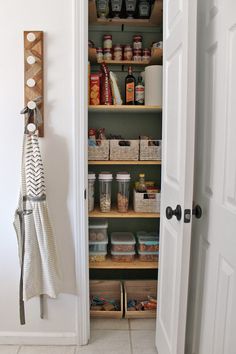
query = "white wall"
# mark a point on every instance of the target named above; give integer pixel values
(55, 17)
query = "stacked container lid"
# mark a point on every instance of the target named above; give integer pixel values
(122, 246)
(98, 240)
(148, 246)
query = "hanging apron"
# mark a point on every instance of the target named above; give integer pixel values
(39, 273)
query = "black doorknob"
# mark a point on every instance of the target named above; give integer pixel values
(197, 211)
(176, 212)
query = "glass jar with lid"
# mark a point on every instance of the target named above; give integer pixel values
(123, 182)
(117, 52)
(91, 182)
(141, 185)
(128, 52)
(105, 180)
(107, 41)
(102, 8)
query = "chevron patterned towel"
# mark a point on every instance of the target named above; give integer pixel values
(36, 242)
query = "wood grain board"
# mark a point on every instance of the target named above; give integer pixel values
(34, 71)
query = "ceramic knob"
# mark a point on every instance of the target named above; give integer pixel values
(31, 37)
(31, 105)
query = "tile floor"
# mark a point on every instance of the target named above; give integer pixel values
(136, 336)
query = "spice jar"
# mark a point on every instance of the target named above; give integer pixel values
(146, 54)
(137, 55)
(107, 41)
(91, 181)
(99, 54)
(137, 41)
(105, 179)
(123, 181)
(117, 52)
(128, 52)
(107, 54)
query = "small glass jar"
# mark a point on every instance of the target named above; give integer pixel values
(128, 52)
(91, 182)
(107, 54)
(99, 54)
(117, 52)
(137, 55)
(105, 179)
(123, 182)
(107, 41)
(146, 54)
(144, 8)
(102, 8)
(130, 7)
(137, 41)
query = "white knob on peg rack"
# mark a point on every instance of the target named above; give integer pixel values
(31, 105)
(31, 127)
(31, 60)
(31, 37)
(31, 83)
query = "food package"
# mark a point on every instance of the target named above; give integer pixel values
(94, 89)
(106, 96)
(117, 100)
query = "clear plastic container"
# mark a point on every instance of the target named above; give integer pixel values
(97, 256)
(98, 230)
(91, 181)
(148, 256)
(123, 182)
(122, 256)
(105, 179)
(98, 246)
(122, 242)
(148, 242)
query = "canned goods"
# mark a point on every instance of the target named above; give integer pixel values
(117, 52)
(146, 54)
(137, 54)
(107, 54)
(107, 41)
(99, 54)
(128, 52)
(137, 41)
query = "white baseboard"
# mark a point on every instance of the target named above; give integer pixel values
(38, 338)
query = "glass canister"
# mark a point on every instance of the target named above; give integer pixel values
(105, 179)
(123, 182)
(102, 8)
(91, 182)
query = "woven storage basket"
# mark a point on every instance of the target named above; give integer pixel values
(149, 151)
(119, 152)
(147, 202)
(100, 151)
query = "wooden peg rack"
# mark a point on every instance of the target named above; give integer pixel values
(33, 65)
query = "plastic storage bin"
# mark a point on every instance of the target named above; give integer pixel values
(122, 242)
(98, 246)
(148, 242)
(123, 182)
(98, 230)
(148, 256)
(97, 256)
(105, 179)
(123, 256)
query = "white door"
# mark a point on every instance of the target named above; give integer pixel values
(179, 67)
(216, 175)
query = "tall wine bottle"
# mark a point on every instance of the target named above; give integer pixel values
(130, 88)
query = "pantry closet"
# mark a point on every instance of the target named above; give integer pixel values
(129, 138)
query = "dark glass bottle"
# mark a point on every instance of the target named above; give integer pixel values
(130, 88)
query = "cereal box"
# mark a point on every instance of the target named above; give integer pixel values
(94, 89)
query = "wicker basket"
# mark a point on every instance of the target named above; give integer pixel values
(119, 152)
(149, 151)
(147, 202)
(100, 151)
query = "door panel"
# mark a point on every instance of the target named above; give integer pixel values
(179, 69)
(215, 186)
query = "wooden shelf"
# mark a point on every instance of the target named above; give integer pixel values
(91, 162)
(154, 21)
(110, 264)
(96, 213)
(156, 59)
(125, 109)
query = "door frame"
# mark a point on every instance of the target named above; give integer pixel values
(80, 215)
